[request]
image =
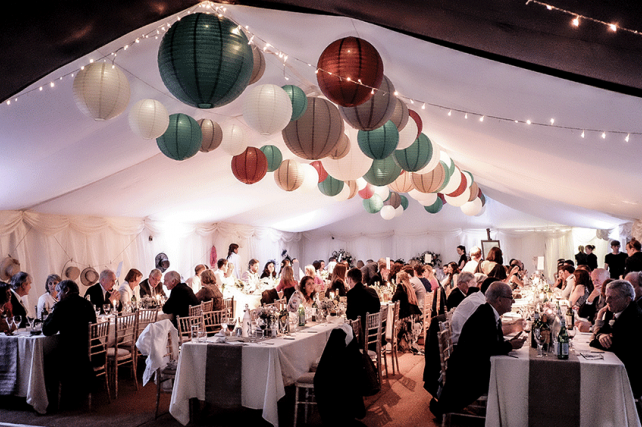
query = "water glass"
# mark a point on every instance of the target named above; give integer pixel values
(106, 308)
(195, 331)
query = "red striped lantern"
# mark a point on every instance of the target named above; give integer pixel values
(320, 169)
(413, 115)
(344, 63)
(250, 166)
(462, 186)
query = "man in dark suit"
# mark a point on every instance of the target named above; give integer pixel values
(103, 292)
(71, 317)
(20, 287)
(481, 338)
(621, 331)
(152, 286)
(361, 299)
(464, 281)
(181, 296)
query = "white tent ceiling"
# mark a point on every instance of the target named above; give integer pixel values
(56, 160)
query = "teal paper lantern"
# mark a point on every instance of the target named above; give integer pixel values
(330, 186)
(274, 157)
(446, 177)
(379, 143)
(435, 207)
(373, 204)
(382, 172)
(182, 139)
(404, 201)
(299, 100)
(205, 61)
(415, 157)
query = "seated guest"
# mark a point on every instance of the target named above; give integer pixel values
(417, 286)
(361, 299)
(596, 299)
(307, 291)
(583, 288)
(337, 281)
(287, 285)
(224, 274)
(71, 317)
(620, 333)
(481, 338)
(251, 275)
(429, 274)
(5, 298)
(269, 271)
(181, 296)
(312, 271)
(49, 298)
(152, 286)
(493, 258)
(130, 289)
(210, 291)
(517, 273)
(451, 270)
(635, 279)
(20, 287)
(464, 282)
(419, 274)
(475, 258)
(103, 292)
(194, 282)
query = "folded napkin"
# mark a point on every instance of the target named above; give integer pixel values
(220, 336)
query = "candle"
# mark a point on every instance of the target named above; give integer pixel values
(114, 304)
(331, 295)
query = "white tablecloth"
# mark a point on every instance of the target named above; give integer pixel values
(606, 398)
(30, 369)
(266, 370)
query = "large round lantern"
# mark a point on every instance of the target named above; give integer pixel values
(375, 112)
(435, 207)
(472, 208)
(310, 179)
(407, 135)
(415, 157)
(274, 157)
(320, 170)
(289, 175)
(342, 148)
(212, 135)
(234, 139)
(351, 167)
(400, 115)
(267, 109)
(394, 200)
(317, 132)
(250, 166)
(379, 143)
(330, 186)
(434, 159)
(205, 60)
(343, 64)
(148, 118)
(382, 172)
(258, 61)
(298, 99)
(387, 212)
(101, 91)
(182, 139)
(429, 182)
(373, 204)
(403, 184)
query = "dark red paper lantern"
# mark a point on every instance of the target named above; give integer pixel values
(420, 125)
(320, 169)
(462, 187)
(344, 63)
(367, 191)
(250, 166)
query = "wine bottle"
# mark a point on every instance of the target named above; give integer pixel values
(535, 325)
(301, 315)
(562, 341)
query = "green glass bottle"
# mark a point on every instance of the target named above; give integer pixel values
(562, 341)
(301, 315)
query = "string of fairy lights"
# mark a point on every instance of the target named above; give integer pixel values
(283, 57)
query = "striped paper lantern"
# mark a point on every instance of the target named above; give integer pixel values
(330, 186)
(250, 166)
(400, 115)
(429, 182)
(298, 99)
(267, 109)
(212, 135)
(273, 155)
(375, 112)
(289, 176)
(382, 172)
(373, 204)
(403, 184)
(435, 207)
(182, 139)
(101, 91)
(342, 148)
(415, 157)
(379, 143)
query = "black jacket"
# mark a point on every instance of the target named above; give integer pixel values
(180, 299)
(362, 300)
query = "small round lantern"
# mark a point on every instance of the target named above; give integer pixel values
(404, 202)
(148, 118)
(373, 204)
(472, 208)
(317, 132)
(463, 185)
(460, 200)
(344, 63)
(330, 186)
(446, 179)
(250, 166)
(342, 148)
(453, 183)
(407, 135)
(182, 139)
(387, 212)
(375, 112)
(394, 200)
(434, 159)
(351, 167)
(431, 181)
(382, 172)
(310, 179)
(298, 99)
(289, 175)
(320, 170)
(353, 188)
(400, 115)
(101, 91)
(258, 65)
(273, 155)
(435, 207)
(267, 109)
(415, 157)
(383, 192)
(379, 143)
(234, 139)
(367, 192)
(474, 192)
(418, 122)
(403, 184)
(212, 135)
(205, 60)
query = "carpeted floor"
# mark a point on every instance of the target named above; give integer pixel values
(401, 402)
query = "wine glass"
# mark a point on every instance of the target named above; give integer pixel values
(571, 334)
(107, 308)
(224, 321)
(539, 339)
(261, 324)
(17, 319)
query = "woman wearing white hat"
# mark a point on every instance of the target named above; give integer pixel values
(50, 297)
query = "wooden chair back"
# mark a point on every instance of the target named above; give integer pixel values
(213, 320)
(229, 305)
(207, 305)
(196, 310)
(145, 317)
(97, 345)
(445, 340)
(372, 335)
(185, 327)
(356, 329)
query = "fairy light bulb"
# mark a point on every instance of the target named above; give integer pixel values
(582, 134)
(603, 135)
(576, 21)
(627, 137)
(450, 113)
(466, 116)
(552, 121)
(528, 122)
(613, 27)
(481, 119)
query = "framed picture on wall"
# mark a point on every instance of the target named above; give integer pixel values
(487, 245)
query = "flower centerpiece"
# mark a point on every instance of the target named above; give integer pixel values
(428, 257)
(343, 255)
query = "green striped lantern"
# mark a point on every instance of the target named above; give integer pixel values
(330, 186)
(404, 201)
(373, 204)
(415, 157)
(446, 177)
(382, 172)
(205, 61)
(435, 207)
(379, 143)
(182, 139)
(299, 100)
(274, 157)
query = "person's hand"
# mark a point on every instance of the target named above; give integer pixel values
(596, 293)
(115, 297)
(583, 325)
(606, 340)
(515, 270)
(601, 313)
(517, 343)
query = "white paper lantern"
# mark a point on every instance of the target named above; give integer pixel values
(234, 139)
(459, 200)
(387, 212)
(453, 183)
(310, 179)
(469, 177)
(101, 91)
(353, 166)
(383, 192)
(148, 118)
(407, 135)
(267, 109)
(344, 194)
(429, 199)
(472, 208)
(434, 160)
(361, 184)
(399, 211)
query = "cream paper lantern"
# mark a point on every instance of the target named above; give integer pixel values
(453, 183)
(289, 175)
(234, 139)
(459, 200)
(403, 184)
(472, 208)
(310, 179)
(353, 188)
(400, 115)
(383, 192)
(407, 135)
(427, 199)
(344, 194)
(148, 118)
(469, 178)
(387, 212)
(267, 109)
(351, 167)
(101, 91)
(342, 148)
(361, 183)
(399, 211)
(212, 135)
(434, 160)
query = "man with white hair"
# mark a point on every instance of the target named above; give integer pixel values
(595, 300)
(464, 282)
(475, 258)
(103, 292)
(181, 296)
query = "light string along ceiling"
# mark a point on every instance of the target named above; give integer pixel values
(267, 47)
